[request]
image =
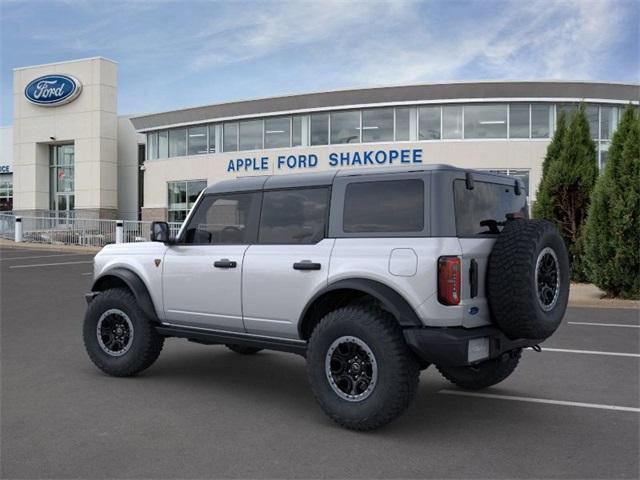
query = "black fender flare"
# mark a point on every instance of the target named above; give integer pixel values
(135, 284)
(390, 299)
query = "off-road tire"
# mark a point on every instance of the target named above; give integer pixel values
(243, 350)
(145, 346)
(398, 370)
(484, 374)
(511, 279)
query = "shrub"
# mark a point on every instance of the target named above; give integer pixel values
(612, 236)
(543, 207)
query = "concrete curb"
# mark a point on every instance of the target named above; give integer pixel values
(588, 295)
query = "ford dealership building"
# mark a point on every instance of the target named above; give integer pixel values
(69, 151)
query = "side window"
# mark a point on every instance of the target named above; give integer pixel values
(224, 219)
(296, 216)
(384, 206)
(481, 210)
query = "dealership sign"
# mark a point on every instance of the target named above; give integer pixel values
(53, 90)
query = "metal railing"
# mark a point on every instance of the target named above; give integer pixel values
(77, 231)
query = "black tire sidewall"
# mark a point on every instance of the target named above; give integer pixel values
(134, 359)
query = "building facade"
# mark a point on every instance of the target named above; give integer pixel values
(80, 158)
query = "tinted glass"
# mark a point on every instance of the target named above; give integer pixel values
(541, 116)
(296, 131)
(178, 196)
(320, 129)
(345, 127)
(277, 132)
(197, 140)
(377, 125)
(592, 117)
(403, 124)
(193, 190)
(224, 219)
(212, 139)
(429, 123)
(251, 135)
(230, 137)
(384, 206)
(163, 144)
(519, 120)
(608, 122)
(152, 146)
(294, 216)
(178, 142)
(487, 202)
(485, 121)
(452, 121)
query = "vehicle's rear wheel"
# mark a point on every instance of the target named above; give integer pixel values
(361, 371)
(485, 374)
(528, 279)
(242, 349)
(119, 338)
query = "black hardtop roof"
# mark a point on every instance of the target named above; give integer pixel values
(316, 179)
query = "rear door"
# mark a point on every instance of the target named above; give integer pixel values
(480, 211)
(290, 262)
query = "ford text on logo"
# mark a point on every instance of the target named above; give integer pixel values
(52, 90)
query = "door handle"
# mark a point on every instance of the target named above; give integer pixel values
(225, 263)
(306, 265)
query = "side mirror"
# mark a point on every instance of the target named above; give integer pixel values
(160, 232)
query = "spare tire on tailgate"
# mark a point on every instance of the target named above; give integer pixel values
(528, 279)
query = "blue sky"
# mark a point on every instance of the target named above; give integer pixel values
(178, 54)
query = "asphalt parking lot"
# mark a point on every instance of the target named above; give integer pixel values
(204, 411)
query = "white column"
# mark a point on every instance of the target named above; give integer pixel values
(18, 230)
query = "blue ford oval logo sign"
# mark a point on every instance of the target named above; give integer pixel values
(53, 90)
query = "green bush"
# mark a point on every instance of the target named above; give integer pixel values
(612, 236)
(566, 186)
(543, 207)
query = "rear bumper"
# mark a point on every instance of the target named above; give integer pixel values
(457, 346)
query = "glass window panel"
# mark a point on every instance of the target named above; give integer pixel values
(429, 123)
(277, 132)
(485, 121)
(452, 121)
(212, 138)
(224, 219)
(152, 146)
(178, 142)
(592, 117)
(384, 206)
(295, 216)
(568, 109)
(193, 190)
(487, 201)
(519, 120)
(296, 131)
(541, 120)
(604, 153)
(163, 144)
(320, 129)
(251, 135)
(177, 196)
(177, 216)
(403, 124)
(377, 125)
(345, 127)
(197, 140)
(230, 137)
(608, 122)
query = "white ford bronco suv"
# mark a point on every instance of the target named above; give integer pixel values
(372, 275)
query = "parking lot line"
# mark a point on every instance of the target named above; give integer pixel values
(591, 352)
(540, 400)
(604, 324)
(50, 264)
(44, 256)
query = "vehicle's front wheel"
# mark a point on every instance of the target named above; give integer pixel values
(119, 338)
(485, 374)
(361, 371)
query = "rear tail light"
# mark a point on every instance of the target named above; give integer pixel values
(449, 280)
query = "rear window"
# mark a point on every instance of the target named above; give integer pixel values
(295, 216)
(384, 206)
(481, 210)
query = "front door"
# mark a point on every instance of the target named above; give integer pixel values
(290, 262)
(202, 273)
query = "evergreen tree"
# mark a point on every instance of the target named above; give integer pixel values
(569, 182)
(543, 207)
(612, 236)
